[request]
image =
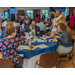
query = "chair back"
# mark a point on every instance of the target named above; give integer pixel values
(21, 33)
(42, 33)
(48, 60)
(6, 63)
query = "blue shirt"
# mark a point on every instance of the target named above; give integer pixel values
(2, 35)
(24, 26)
(65, 39)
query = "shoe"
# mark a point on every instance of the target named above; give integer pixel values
(63, 55)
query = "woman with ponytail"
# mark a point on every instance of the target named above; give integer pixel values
(9, 46)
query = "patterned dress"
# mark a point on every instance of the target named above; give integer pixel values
(9, 48)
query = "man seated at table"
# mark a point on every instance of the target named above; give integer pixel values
(33, 28)
(42, 25)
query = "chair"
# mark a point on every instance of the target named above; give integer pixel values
(42, 33)
(69, 55)
(48, 60)
(6, 63)
(21, 33)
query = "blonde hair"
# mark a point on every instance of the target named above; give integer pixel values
(9, 24)
(9, 30)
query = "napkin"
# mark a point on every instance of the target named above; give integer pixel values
(42, 46)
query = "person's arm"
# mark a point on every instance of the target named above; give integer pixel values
(64, 39)
(74, 19)
(59, 17)
(22, 26)
(21, 40)
(0, 47)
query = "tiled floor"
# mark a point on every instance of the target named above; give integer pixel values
(65, 64)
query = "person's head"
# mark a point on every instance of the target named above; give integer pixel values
(24, 20)
(10, 31)
(5, 20)
(36, 15)
(58, 12)
(9, 24)
(42, 20)
(61, 27)
(17, 20)
(27, 21)
(9, 18)
(33, 24)
(52, 16)
(72, 14)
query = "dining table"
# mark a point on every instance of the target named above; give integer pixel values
(31, 56)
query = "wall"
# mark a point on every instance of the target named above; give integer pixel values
(71, 10)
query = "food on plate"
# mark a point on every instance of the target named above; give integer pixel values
(47, 36)
(31, 47)
(52, 40)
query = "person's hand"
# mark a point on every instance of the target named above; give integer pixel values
(0, 53)
(57, 37)
(55, 26)
(26, 41)
(49, 27)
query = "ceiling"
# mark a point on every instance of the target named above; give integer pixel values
(24, 8)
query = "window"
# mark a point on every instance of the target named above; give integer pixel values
(66, 11)
(45, 12)
(6, 14)
(29, 13)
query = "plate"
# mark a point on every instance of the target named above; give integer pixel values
(32, 47)
(52, 40)
(47, 37)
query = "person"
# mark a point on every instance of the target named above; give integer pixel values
(9, 19)
(9, 46)
(68, 18)
(16, 23)
(55, 23)
(58, 12)
(4, 23)
(8, 24)
(25, 23)
(72, 21)
(65, 40)
(33, 28)
(37, 19)
(43, 16)
(42, 25)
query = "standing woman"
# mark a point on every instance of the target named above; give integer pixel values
(72, 21)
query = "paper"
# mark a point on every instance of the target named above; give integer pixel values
(47, 28)
(22, 47)
(39, 40)
(42, 46)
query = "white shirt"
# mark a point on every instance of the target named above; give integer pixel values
(4, 24)
(55, 22)
(42, 26)
(16, 24)
(32, 29)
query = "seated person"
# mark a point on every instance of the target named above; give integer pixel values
(16, 23)
(33, 28)
(9, 46)
(42, 25)
(4, 23)
(65, 40)
(25, 23)
(8, 24)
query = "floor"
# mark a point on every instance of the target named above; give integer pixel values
(65, 64)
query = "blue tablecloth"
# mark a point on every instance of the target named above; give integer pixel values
(52, 46)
